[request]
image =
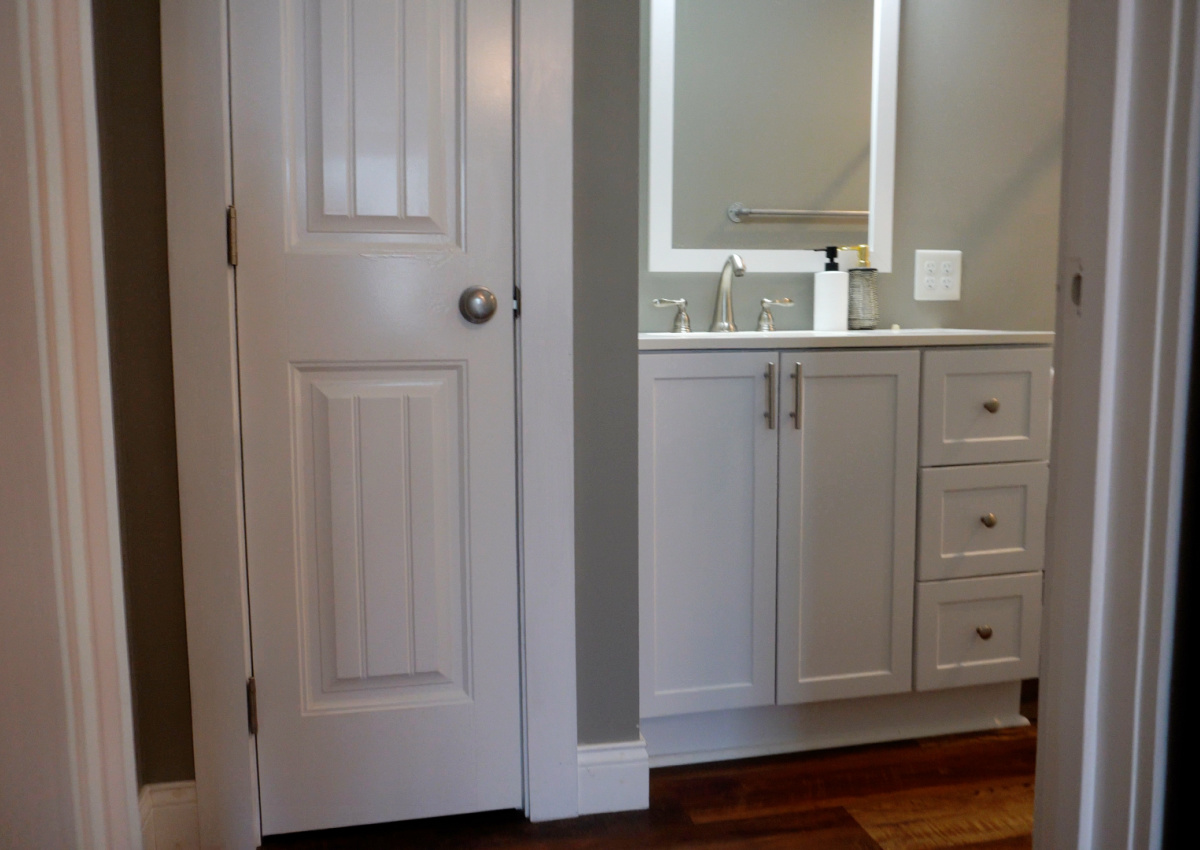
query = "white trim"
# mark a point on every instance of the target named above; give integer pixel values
(613, 777)
(64, 199)
(664, 257)
(1122, 363)
(196, 125)
(545, 161)
(776, 729)
(169, 817)
(203, 342)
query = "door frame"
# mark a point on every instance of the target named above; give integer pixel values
(203, 329)
(81, 743)
(1123, 344)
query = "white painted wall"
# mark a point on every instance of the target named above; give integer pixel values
(35, 771)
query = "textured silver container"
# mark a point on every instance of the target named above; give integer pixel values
(864, 299)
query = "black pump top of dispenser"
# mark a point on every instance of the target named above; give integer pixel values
(831, 258)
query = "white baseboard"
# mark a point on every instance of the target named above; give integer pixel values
(169, 817)
(776, 729)
(613, 777)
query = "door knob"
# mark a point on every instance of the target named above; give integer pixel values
(477, 304)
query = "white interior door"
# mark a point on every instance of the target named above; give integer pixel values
(372, 161)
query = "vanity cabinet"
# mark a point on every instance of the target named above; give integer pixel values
(707, 465)
(847, 519)
(841, 541)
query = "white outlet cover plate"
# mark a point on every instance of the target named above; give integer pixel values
(937, 276)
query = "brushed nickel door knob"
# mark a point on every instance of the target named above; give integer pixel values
(991, 405)
(477, 304)
(984, 632)
(989, 520)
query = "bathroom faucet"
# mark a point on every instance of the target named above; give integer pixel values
(723, 315)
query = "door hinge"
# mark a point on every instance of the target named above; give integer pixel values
(231, 235)
(516, 302)
(252, 705)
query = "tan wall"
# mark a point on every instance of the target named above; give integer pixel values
(129, 107)
(978, 162)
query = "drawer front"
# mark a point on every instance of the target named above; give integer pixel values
(977, 630)
(982, 520)
(985, 405)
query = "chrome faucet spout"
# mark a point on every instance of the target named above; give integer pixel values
(723, 314)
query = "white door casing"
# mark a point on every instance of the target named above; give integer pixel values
(373, 182)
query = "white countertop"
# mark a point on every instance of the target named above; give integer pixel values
(903, 338)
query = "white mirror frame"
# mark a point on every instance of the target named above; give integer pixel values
(664, 257)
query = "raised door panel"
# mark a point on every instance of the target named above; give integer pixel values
(707, 484)
(985, 405)
(382, 556)
(847, 523)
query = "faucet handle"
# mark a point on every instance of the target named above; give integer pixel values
(766, 322)
(682, 325)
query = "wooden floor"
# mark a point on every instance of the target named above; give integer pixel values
(964, 791)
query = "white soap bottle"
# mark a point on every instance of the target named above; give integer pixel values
(831, 295)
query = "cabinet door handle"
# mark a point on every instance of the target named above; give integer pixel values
(798, 378)
(991, 405)
(989, 520)
(984, 632)
(770, 414)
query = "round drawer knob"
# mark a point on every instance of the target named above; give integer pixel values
(984, 632)
(989, 520)
(991, 405)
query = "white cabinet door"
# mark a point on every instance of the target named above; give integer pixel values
(373, 173)
(847, 523)
(707, 484)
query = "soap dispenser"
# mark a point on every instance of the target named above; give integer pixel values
(831, 295)
(864, 292)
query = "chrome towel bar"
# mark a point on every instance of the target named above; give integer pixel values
(738, 213)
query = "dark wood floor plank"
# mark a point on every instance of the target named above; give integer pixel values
(973, 791)
(758, 787)
(952, 816)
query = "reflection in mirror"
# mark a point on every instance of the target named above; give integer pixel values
(784, 108)
(772, 110)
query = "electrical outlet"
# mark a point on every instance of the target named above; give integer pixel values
(937, 276)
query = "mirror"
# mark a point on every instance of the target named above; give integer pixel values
(807, 172)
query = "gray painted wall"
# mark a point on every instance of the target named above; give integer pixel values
(978, 156)
(607, 96)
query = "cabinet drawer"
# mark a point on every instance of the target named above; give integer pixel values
(977, 630)
(982, 520)
(985, 406)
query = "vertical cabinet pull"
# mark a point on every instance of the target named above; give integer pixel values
(798, 378)
(770, 414)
